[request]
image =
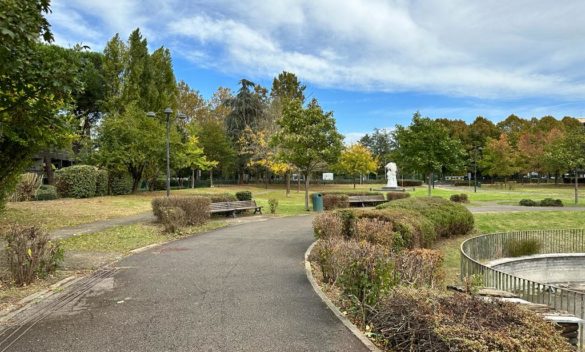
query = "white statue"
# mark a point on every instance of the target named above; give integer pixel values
(391, 170)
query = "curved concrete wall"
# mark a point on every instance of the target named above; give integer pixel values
(544, 268)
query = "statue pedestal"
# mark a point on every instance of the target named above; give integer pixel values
(391, 189)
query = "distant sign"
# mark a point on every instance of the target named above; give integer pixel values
(327, 176)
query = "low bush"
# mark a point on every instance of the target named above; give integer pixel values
(196, 208)
(78, 181)
(449, 218)
(390, 196)
(173, 219)
(47, 192)
(31, 254)
(273, 204)
(412, 230)
(220, 197)
(244, 195)
(328, 225)
(527, 246)
(417, 320)
(549, 202)
(420, 268)
(459, 198)
(327, 256)
(120, 183)
(27, 187)
(528, 203)
(410, 183)
(377, 231)
(101, 185)
(335, 201)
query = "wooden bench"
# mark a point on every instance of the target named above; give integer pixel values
(372, 199)
(233, 207)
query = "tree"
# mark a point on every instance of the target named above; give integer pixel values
(286, 86)
(307, 139)
(37, 81)
(194, 158)
(568, 154)
(500, 158)
(479, 131)
(248, 111)
(512, 126)
(216, 144)
(381, 145)
(357, 160)
(425, 146)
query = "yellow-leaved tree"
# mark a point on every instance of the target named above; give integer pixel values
(357, 160)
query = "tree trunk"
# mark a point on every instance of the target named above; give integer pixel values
(192, 178)
(287, 184)
(430, 180)
(49, 169)
(298, 182)
(307, 192)
(211, 178)
(266, 180)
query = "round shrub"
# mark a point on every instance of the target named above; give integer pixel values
(120, 183)
(449, 218)
(78, 181)
(459, 198)
(47, 192)
(244, 195)
(196, 208)
(376, 231)
(528, 203)
(101, 186)
(173, 219)
(549, 202)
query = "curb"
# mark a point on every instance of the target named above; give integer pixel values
(348, 324)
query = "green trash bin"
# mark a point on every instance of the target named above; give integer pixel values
(317, 199)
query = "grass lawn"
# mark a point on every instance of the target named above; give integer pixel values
(70, 212)
(503, 222)
(123, 239)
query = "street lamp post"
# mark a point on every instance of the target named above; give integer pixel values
(168, 112)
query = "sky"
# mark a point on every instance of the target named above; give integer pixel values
(373, 63)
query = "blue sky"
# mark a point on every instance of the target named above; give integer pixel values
(374, 63)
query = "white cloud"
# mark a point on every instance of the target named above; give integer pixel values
(488, 49)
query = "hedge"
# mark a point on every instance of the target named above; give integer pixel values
(410, 183)
(78, 181)
(120, 183)
(101, 186)
(335, 201)
(390, 196)
(196, 208)
(449, 218)
(47, 192)
(244, 195)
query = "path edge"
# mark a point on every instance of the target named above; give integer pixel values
(348, 324)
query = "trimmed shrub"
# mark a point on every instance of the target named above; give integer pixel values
(173, 219)
(420, 268)
(518, 248)
(78, 181)
(528, 203)
(549, 202)
(31, 254)
(390, 196)
(335, 201)
(459, 198)
(449, 218)
(196, 208)
(120, 183)
(327, 256)
(244, 195)
(101, 185)
(328, 225)
(27, 187)
(412, 230)
(377, 231)
(47, 192)
(423, 320)
(410, 183)
(273, 204)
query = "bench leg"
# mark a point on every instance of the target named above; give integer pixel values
(258, 210)
(234, 214)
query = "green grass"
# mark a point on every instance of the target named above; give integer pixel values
(123, 239)
(503, 222)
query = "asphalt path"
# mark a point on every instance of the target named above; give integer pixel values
(241, 288)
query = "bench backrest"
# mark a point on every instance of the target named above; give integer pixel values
(220, 206)
(233, 205)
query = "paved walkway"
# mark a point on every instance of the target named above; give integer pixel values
(499, 208)
(101, 225)
(241, 288)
